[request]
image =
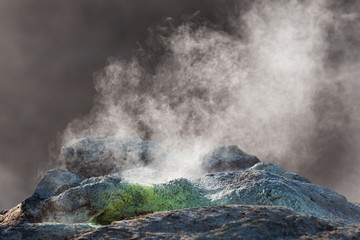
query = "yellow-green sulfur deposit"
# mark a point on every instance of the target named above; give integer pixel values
(134, 199)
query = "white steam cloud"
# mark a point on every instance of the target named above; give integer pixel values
(260, 86)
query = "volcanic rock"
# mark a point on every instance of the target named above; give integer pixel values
(64, 202)
(273, 168)
(227, 158)
(51, 231)
(276, 188)
(226, 222)
(217, 222)
(11, 216)
(73, 205)
(56, 180)
(98, 155)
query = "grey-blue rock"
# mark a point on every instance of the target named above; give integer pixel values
(100, 155)
(275, 187)
(275, 169)
(262, 184)
(74, 205)
(227, 158)
(55, 181)
(274, 204)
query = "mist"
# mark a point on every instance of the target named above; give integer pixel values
(277, 79)
(48, 54)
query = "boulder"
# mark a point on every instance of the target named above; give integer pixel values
(56, 180)
(227, 158)
(98, 155)
(72, 205)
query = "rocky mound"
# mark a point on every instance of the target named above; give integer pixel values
(261, 201)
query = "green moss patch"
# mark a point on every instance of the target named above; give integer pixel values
(135, 199)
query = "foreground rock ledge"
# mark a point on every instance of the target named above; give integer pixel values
(220, 222)
(227, 222)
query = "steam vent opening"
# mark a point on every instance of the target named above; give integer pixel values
(202, 119)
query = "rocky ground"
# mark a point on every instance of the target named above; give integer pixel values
(227, 222)
(238, 198)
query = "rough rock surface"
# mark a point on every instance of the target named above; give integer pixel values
(274, 186)
(273, 168)
(221, 222)
(227, 158)
(263, 201)
(73, 205)
(270, 186)
(227, 222)
(98, 155)
(43, 231)
(11, 216)
(56, 180)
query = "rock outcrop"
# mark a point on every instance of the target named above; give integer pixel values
(273, 186)
(242, 198)
(276, 187)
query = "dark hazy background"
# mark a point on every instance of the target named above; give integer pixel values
(49, 51)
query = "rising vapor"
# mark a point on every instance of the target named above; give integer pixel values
(268, 79)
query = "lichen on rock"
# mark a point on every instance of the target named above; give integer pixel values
(135, 199)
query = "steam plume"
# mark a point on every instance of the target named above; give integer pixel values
(263, 80)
